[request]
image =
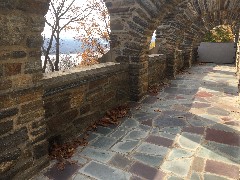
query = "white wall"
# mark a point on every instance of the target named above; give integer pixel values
(219, 53)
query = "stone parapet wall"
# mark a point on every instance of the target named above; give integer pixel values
(75, 99)
(24, 124)
(156, 68)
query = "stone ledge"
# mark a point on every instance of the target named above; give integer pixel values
(59, 81)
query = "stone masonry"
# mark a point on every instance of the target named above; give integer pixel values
(187, 131)
(27, 99)
(23, 144)
(156, 68)
(74, 100)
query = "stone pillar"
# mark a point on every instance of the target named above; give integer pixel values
(128, 39)
(23, 147)
(164, 47)
(195, 54)
(169, 37)
(188, 49)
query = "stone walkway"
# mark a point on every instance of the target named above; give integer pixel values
(190, 130)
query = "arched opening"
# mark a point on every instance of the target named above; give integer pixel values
(76, 34)
(153, 41)
(218, 46)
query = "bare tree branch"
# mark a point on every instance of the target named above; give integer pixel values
(60, 7)
(67, 9)
(74, 19)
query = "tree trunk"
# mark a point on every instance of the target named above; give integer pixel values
(56, 64)
(46, 52)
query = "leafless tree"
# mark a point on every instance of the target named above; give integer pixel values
(63, 14)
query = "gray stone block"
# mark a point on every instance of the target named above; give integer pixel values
(103, 142)
(125, 146)
(97, 154)
(104, 172)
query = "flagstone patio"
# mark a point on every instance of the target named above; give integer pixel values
(189, 130)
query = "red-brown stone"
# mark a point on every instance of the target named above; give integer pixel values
(204, 94)
(146, 172)
(223, 169)
(223, 137)
(196, 130)
(12, 69)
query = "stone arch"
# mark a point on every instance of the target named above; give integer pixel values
(23, 138)
(190, 24)
(138, 19)
(129, 41)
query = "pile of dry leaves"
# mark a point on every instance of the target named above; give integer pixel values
(62, 152)
(155, 89)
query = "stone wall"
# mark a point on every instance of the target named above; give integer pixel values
(178, 61)
(156, 68)
(23, 147)
(73, 100)
(23, 138)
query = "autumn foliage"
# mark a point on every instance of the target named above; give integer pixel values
(220, 34)
(90, 21)
(94, 33)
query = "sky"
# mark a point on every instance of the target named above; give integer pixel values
(64, 35)
(67, 34)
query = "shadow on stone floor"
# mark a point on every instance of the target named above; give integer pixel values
(224, 72)
(186, 131)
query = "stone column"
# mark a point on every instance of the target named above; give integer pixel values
(23, 147)
(187, 46)
(164, 47)
(169, 37)
(127, 43)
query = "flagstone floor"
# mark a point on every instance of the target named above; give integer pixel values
(190, 130)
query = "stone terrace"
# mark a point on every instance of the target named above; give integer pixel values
(34, 108)
(190, 130)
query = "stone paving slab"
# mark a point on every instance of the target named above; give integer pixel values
(125, 146)
(104, 142)
(104, 172)
(189, 130)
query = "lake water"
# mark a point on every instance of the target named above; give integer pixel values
(67, 61)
